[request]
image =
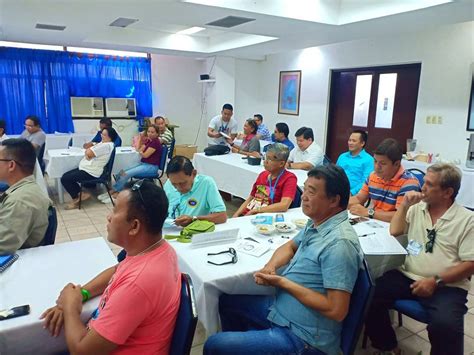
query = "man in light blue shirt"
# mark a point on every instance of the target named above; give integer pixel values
(192, 196)
(312, 293)
(262, 133)
(357, 163)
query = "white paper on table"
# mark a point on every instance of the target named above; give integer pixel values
(252, 248)
(225, 135)
(216, 237)
(380, 243)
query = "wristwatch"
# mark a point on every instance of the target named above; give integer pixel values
(371, 212)
(439, 281)
(195, 218)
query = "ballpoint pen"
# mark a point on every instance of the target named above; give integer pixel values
(253, 240)
(366, 235)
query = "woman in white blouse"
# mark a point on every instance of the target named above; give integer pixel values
(90, 167)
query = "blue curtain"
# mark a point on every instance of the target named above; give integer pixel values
(37, 82)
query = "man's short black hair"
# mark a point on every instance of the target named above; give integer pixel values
(227, 107)
(306, 132)
(336, 180)
(107, 121)
(180, 163)
(148, 204)
(35, 119)
(259, 116)
(112, 133)
(22, 152)
(391, 149)
(3, 125)
(283, 128)
(363, 135)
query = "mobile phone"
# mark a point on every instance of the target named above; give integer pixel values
(356, 220)
(15, 312)
(279, 218)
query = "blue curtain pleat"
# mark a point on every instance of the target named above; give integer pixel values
(40, 83)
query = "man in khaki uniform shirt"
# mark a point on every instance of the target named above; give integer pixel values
(438, 266)
(23, 206)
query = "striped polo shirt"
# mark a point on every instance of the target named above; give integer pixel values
(388, 195)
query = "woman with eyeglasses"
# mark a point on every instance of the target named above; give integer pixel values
(91, 167)
(150, 151)
(250, 144)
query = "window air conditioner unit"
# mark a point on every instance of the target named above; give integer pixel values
(87, 107)
(120, 108)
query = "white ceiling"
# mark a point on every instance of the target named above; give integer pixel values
(279, 26)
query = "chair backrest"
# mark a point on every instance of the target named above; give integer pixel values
(418, 174)
(360, 301)
(326, 160)
(171, 148)
(297, 199)
(164, 157)
(107, 173)
(50, 235)
(186, 320)
(40, 157)
(118, 141)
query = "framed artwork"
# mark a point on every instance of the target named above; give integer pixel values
(289, 92)
(470, 114)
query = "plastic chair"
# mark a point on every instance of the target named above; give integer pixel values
(40, 157)
(171, 149)
(360, 301)
(104, 179)
(297, 199)
(186, 320)
(418, 174)
(161, 168)
(3, 186)
(50, 235)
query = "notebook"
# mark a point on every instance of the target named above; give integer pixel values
(6, 261)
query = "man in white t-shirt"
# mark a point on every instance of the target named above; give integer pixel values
(223, 123)
(307, 154)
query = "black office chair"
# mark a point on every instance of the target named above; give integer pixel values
(50, 235)
(40, 158)
(171, 148)
(104, 179)
(186, 321)
(297, 199)
(161, 168)
(418, 174)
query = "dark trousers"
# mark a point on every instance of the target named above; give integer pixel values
(446, 309)
(71, 179)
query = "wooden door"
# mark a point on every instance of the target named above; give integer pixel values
(343, 97)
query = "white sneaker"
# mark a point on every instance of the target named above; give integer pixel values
(107, 200)
(103, 196)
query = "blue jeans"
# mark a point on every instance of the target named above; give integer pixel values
(246, 330)
(142, 169)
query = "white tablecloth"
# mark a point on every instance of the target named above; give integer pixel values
(36, 279)
(466, 192)
(233, 174)
(40, 178)
(210, 281)
(61, 161)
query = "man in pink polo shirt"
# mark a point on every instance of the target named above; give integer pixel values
(139, 297)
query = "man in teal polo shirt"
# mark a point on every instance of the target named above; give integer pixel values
(357, 163)
(192, 196)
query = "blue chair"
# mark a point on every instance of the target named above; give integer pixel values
(104, 179)
(326, 160)
(297, 199)
(361, 297)
(161, 168)
(186, 320)
(40, 158)
(418, 174)
(3, 186)
(50, 235)
(171, 149)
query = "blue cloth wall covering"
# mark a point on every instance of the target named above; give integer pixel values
(40, 83)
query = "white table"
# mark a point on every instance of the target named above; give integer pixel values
(61, 161)
(466, 192)
(38, 174)
(36, 278)
(233, 174)
(210, 281)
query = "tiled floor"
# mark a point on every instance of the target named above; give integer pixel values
(90, 222)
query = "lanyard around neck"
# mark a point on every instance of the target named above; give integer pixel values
(273, 187)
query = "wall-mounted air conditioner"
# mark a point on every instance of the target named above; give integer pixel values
(87, 106)
(120, 107)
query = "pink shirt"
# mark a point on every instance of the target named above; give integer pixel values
(138, 309)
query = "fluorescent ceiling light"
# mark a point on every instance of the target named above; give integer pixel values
(190, 31)
(106, 52)
(30, 46)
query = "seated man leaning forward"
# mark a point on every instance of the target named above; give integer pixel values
(275, 187)
(192, 196)
(438, 267)
(23, 206)
(307, 154)
(136, 313)
(313, 291)
(386, 185)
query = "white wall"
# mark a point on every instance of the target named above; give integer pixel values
(126, 128)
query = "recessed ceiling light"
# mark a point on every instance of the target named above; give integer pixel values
(190, 31)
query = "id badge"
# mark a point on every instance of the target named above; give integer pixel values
(414, 248)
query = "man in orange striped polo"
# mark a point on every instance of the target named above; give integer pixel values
(386, 185)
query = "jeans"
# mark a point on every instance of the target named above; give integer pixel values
(142, 169)
(246, 330)
(71, 179)
(446, 308)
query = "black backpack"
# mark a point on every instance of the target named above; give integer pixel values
(217, 150)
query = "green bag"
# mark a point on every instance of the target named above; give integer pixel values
(192, 228)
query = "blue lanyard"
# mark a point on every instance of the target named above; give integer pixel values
(223, 128)
(273, 188)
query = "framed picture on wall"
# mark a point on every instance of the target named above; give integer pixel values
(289, 92)
(470, 114)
